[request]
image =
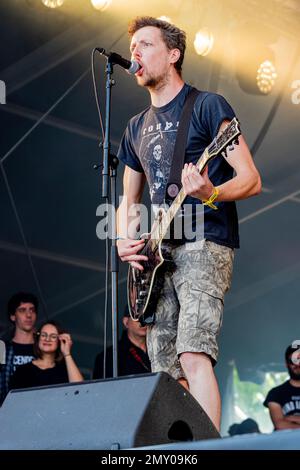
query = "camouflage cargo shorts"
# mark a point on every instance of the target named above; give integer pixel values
(190, 309)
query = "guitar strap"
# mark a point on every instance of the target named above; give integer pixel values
(174, 182)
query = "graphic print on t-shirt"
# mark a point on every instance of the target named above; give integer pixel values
(156, 151)
(292, 406)
(23, 353)
(287, 396)
(20, 360)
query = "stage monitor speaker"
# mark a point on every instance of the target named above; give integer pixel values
(120, 413)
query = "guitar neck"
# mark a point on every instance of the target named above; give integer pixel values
(160, 231)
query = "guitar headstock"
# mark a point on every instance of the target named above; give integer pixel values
(228, 137)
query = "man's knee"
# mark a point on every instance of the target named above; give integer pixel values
(192, 362)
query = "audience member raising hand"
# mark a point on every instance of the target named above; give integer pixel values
(54, 363)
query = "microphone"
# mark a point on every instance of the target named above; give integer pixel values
(131, 66)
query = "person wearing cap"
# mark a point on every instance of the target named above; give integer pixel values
(132, 352)
(284, 401)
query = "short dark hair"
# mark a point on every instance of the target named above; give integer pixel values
(36, 348)
(290, 350)
(173, 37)
(21, 298)
(245, 427)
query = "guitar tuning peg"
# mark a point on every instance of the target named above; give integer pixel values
(224, 154)
(230, 148)
(236, 141)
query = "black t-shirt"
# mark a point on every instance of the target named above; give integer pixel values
(287, 396)
(131, 360)
(23, 353)
(30, 375)
(148, 143)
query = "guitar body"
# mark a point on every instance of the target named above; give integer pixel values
(143, 287)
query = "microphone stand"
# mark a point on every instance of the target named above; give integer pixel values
(110, 164)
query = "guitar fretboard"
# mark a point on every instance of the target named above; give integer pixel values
(159, 232)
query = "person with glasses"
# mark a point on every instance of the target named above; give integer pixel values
(284, 401)
(54, 363)
(22, 312)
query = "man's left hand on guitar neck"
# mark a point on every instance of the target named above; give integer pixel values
(196, 184)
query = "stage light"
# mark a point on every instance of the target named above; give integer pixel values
(266, 76)
(204, 41)
(53, 3)
(165, 18)
(101, 4)
(255, 70)
(254, 57)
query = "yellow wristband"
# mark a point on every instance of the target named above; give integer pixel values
(213, 197)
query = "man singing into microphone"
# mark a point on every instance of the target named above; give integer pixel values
(183, 339)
